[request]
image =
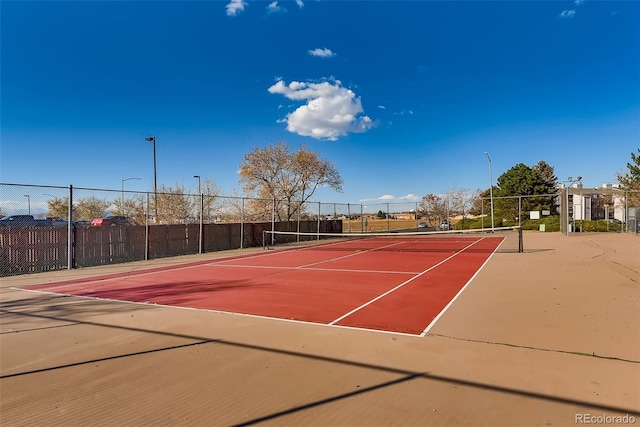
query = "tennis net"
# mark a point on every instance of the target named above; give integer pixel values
(500, 239)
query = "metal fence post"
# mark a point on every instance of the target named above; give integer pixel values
(388, 226)
(70, 242)
(298, 224)
(146, 230)
(519, 211)
(273, 220)
(242, 225)
(318, 228)
(200, 246)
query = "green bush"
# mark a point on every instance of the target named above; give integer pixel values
(598, 226)
(551, 224)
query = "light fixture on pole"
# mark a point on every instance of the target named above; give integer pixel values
(28, 203)
(126, 179)
(201, 197)
(155, 176)
(491, 189)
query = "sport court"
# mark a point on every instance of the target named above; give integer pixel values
(392, 283)
(522, 345)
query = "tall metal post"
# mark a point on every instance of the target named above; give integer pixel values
(318, 228)
(388, 225)
(155, 177)
(491, 189)
(201, 197)
(242, 225)
(146, 230)
(28, 203)
(519, 211)
(298, 222)
(70, 242)
(122, 194)
(566, 216)
(273, 220)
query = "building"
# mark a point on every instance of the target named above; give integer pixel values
(607, 202)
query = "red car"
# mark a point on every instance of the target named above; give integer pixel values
(110, 220)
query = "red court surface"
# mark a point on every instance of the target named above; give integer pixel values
(400, 285)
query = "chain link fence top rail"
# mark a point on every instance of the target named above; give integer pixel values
(146, 225)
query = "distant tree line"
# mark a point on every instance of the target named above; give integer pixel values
(279, 182)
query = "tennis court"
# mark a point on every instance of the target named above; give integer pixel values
(395, 282)
(537, 338)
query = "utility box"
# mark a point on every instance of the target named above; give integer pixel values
(543, 227)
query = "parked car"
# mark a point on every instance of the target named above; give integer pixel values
(422, 225)
(444, 225)
(111, 221)
(19, 221)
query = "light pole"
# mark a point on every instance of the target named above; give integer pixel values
(155, 177)
(491, 189)
(123, 209)
(28, 203)
(201, 208)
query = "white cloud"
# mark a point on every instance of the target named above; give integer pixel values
(391, 198)
(382, 107)
(330, 110)
(578, 2)
(274, 8)
(410, 198)
(300, 3)
(404, 113)
(321, 53)
(567, 13)
(234, 7)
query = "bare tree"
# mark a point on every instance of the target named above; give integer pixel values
(461, 202)
(437, 208)
(433, 208)
(59, 207)
(175, 205)
(91, 207)
(274, 174)
(210, 203)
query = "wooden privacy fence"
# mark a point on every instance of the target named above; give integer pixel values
(25, 250)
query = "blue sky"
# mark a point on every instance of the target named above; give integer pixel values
(403, 97)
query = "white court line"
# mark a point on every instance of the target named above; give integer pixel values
(255, 316)
(350, 255)
(127, 275)
(342, 270)
(404, 283)
(332, 324)
(435, 319)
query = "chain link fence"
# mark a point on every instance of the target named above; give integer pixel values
(39, 233)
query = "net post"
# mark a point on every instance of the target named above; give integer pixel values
(520, 241)
(264, 240)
